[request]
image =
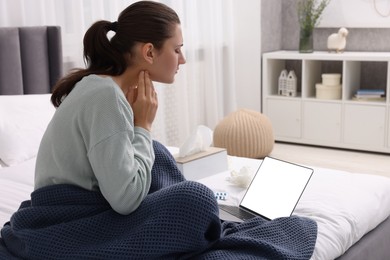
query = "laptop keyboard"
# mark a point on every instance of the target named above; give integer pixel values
(237, 212)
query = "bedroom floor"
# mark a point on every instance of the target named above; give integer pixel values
(347, 160)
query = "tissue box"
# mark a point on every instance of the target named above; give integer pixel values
(203, 164)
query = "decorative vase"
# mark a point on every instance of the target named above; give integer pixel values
(306, 40)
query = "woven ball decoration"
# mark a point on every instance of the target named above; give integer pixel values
(245, 133)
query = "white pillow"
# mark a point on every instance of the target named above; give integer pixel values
(23, 120)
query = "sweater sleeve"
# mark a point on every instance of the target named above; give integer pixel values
(121, 155)
(123, 169)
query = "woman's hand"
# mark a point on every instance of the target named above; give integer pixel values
(143, 100)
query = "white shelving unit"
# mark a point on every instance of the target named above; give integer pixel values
(342, 123)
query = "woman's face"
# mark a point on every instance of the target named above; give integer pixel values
(167, 60)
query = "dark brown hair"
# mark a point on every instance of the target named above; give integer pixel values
(143, 21)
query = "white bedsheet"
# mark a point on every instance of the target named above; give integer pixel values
(16, 184)
(345, 205)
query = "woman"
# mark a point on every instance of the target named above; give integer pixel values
(96, 158)
(99, 138)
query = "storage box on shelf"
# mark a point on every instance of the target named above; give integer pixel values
(342, 121)
(330, 87)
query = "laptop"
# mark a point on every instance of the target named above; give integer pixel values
(273, 192)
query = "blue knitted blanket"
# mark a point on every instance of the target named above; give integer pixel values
(177, 220)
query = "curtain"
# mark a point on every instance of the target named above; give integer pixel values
(203, 91)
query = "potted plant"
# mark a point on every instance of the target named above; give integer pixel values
(309, 14)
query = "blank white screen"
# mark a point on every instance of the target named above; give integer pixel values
(276, 188)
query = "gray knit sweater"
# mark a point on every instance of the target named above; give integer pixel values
(92, 142)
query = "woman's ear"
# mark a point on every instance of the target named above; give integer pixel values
(148, 52)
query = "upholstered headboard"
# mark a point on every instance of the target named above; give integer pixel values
(30, 59)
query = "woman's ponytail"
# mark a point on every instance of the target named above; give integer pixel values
(100, 56)
(99, 53)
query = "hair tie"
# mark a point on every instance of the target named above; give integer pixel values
(114, 26)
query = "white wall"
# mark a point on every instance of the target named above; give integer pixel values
(357, 14)
(247, 36)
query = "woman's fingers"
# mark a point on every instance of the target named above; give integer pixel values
(145, 85)
(145, 103)
(148, 84)
(131, 95)
(141, 83)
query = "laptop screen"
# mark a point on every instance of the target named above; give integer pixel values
(276, 188)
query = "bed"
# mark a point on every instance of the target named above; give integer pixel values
(351, 210)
